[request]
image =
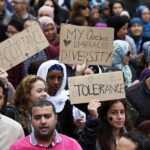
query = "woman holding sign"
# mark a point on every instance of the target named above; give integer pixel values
(54, 73)
(107, 122)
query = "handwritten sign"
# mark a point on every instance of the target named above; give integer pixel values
(22, 46)
(78, 43)
(106, 86)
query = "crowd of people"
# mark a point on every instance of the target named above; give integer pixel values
(35, 107)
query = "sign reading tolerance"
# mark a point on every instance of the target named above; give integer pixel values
(78, 43)
(22, 46)
(105, 86)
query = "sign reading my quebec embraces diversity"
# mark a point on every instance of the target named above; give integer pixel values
(105, 86)
(22, 46)
(78, 43)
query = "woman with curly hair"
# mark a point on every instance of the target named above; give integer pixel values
(107, 123)
(30, 89)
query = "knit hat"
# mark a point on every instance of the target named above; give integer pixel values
(49, 11)
(146, 49)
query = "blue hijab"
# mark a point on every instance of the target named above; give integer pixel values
(139, 10)
(146, 25)
(137, 39)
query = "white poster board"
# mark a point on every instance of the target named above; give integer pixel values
(102, 87)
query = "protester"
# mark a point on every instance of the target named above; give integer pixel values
(143, 13)
(120, 25)
(8, 85)
(136, 32)
(20, 10)
(30, 89)
(60, 14)
(107, 122)
(120, 59)
(45, 136)
(10, 130)
(42, 55)
(83, 10)
(14, 27)
(105, 11)
(138, 95)
(116, 7)
(6, 108)
(54, 73)
(95, 9)
(146, 60)
(49, 29)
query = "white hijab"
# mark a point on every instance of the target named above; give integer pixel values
(61, 96)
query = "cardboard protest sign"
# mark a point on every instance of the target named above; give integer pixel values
(22, 46)
(91, 43)
(105, 86)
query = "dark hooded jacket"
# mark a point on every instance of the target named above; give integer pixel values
(139, 97)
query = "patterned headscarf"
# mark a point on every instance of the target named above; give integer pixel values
(120, 49)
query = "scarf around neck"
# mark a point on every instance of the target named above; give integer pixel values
(61, 96)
